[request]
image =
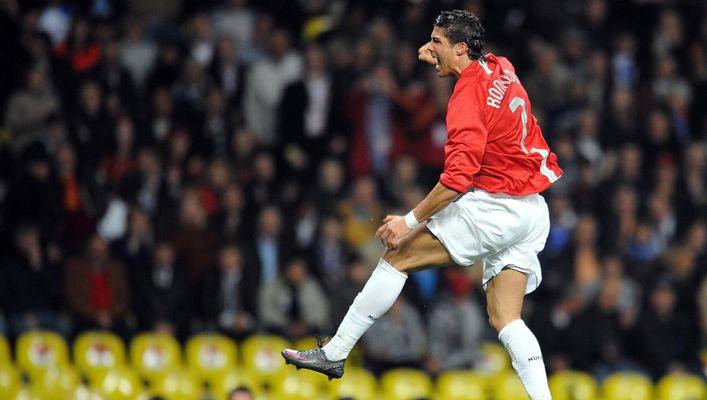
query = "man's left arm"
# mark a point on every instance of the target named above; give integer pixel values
(395, 226)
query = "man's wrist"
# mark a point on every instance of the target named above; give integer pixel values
(410, 220)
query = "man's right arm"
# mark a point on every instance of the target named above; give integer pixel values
(424, 54)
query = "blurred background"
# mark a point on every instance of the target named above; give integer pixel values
(188, 186)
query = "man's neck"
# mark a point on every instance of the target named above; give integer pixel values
(460, 66)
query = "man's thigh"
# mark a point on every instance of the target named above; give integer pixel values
(418, 251)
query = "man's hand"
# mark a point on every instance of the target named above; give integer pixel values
(424, 54)
(392, 230)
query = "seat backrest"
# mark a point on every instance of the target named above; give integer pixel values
(178, 384)
(230, 379)
(96, 352)
(507, 386)
(120, 383)
(627, 386)
(573, 385)
(405, 383)
(5, 354)
(296, 386)
(210, 354)
(154, 354)
(56, 383)
(10, 382)
(261, 356)
(462, 385)
(357, 382)
(38, 350)
(494, 359)
(681, 386)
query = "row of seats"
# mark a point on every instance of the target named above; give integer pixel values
(102, 368)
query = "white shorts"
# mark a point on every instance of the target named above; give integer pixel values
(500, 230)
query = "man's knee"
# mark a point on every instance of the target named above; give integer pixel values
(400, 258)
(498, 319)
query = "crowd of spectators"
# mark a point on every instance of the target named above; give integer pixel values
(189, 166)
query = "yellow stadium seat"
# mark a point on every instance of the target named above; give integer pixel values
(231, 379)
(507, 386)
(357, 383)
(178, 384)
(56, 383)
(154, 354)
(5, 355)
(261, 355)
(96, 352)
(494, 359)
(573, 385)
(120, 383)
(297, 385)
(10, 382)
(627, 386)
(405, 384)
(680, 386)
(209, 355)
(38, 350)
(461, 385)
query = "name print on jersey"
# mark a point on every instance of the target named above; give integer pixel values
(499, 87)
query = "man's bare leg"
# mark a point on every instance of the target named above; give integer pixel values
(505, 294)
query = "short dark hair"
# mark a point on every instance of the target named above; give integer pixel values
(462, 26)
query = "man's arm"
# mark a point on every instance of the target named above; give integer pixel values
(395, 227)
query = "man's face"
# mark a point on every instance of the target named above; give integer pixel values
(442, 50)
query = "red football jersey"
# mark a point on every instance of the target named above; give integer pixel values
(494, 143)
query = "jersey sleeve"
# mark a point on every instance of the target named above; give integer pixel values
(464, 150)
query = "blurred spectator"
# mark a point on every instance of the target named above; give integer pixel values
(455, 325)
(122, 161)
(137, 54)
(96, 289)
(114, 78)
(195, 243)
(229, 292)
(294, 304)
(28, 109)
(160, 295)
(270, 246)
(202, 45)
(134, 249)
(80, 50)
(397, 339)
(330, 252)
(310, 112)
(265, 85)
(228, 72)
(229, 219)
(362, 213)
(662, 350)
(32, 297)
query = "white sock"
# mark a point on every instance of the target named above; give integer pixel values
(527, 358)
(377, 296)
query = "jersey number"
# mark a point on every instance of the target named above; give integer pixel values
(518, 102)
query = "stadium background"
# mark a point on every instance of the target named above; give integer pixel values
(190, 167)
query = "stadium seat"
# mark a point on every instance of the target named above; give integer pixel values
(357, 383)
(38, 350)
(96, 352)
(405, 384)
(298, 385)
(120, 383)
(261, 356)
(231, 379)
(178, 384)
(209, 355)
(154, 354)
(573, 385)
(56, 383)
(494, 359)
(461, 385)
(10, 382)
(507, 386)
(680, 386)
(627, 386)
(5, 355)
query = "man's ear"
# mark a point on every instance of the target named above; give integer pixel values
(460, 49)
